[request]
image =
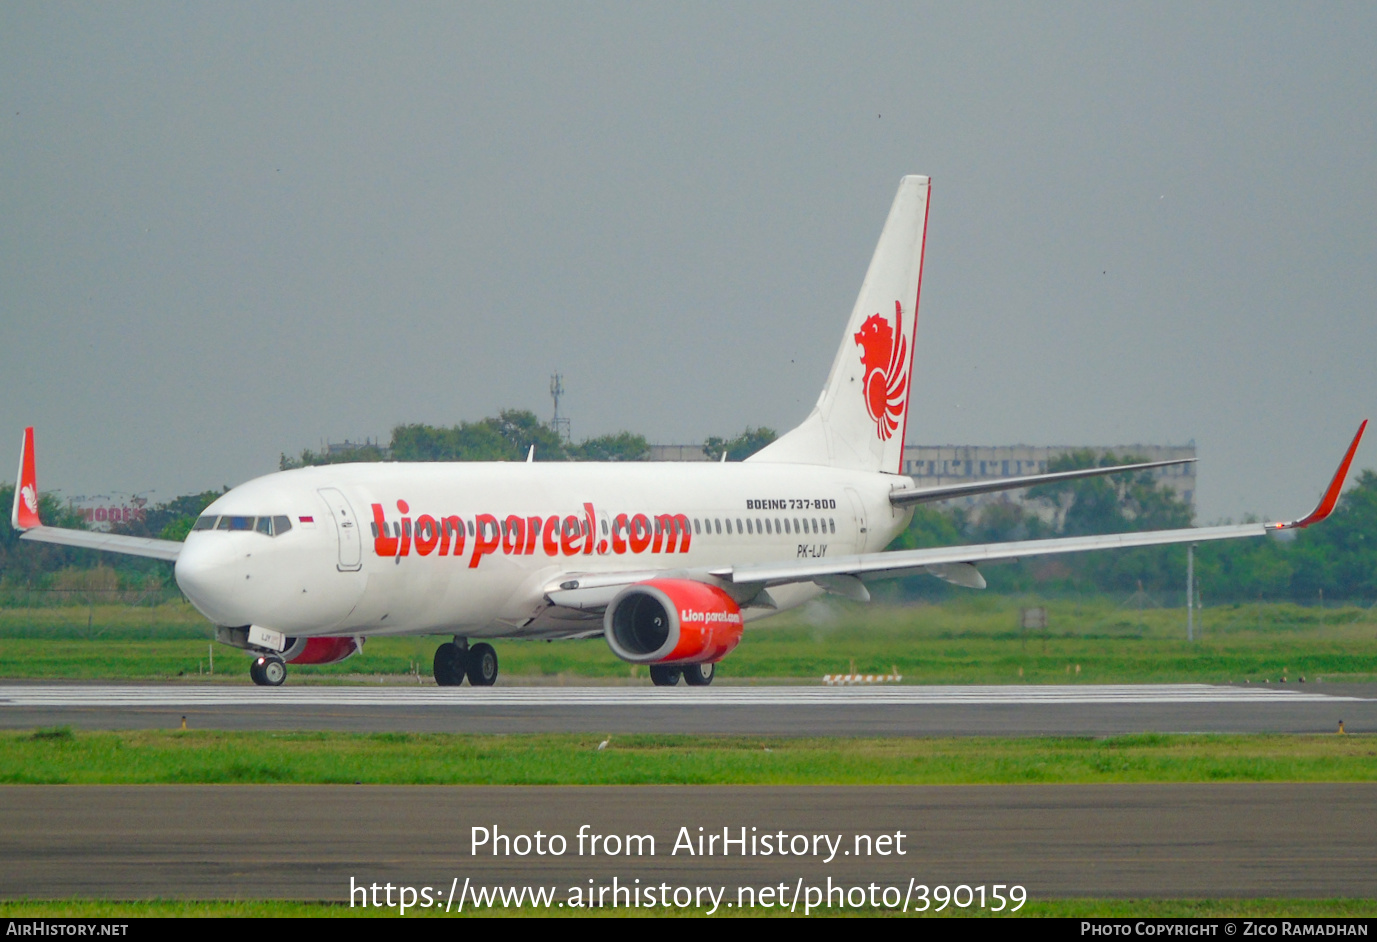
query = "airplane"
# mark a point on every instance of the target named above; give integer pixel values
(665, 561)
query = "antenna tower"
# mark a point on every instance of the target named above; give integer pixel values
(559, 423)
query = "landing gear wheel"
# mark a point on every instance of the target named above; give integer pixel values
(268, 671)
(664, 676)
(450, 661)
(482, 665)
(699, 675)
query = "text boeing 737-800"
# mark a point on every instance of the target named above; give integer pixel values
(666, 561)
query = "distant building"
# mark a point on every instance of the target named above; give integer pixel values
(960, 464)
(677, 453)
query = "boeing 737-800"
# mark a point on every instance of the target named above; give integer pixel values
(667, 562)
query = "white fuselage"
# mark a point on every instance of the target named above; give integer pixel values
(525, 530)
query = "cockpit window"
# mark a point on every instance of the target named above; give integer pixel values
(268, 526)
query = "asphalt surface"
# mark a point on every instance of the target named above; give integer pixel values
(892, 710)
(307, 842)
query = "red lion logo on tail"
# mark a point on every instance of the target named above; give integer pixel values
(886, 370)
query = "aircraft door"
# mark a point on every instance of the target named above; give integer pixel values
(858, 518)
(347, 528)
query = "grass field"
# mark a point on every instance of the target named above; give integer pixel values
(1063, 908)
(973, 639)
(64, 756)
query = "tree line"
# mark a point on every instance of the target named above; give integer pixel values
(510, 436)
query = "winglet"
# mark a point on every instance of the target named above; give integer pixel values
(24, 516)
(1331, 495)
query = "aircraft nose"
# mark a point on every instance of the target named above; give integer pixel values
(211, 574)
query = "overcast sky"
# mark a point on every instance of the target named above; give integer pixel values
(233, 230)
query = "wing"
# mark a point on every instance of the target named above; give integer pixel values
(846, 575)
(24, 518)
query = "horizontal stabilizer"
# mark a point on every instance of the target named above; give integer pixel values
(948, 491)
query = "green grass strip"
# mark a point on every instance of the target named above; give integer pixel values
(64, 756)
(1066, 908)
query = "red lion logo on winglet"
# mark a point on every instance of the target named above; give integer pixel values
(886, 370)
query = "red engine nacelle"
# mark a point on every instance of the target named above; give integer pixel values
(320, 650)
(672, 621)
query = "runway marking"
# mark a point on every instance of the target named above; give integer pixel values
(45, 695)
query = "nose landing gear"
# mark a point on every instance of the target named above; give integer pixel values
(455, 660)
(268, 671)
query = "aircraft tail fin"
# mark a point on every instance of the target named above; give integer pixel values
(861, 418)
(24, 515)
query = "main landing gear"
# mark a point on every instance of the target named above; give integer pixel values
(695, 675)
(268, 670)
(455, 660)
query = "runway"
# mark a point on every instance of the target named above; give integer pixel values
(774, 710)
(308, 842)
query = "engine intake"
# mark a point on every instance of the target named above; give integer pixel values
(672, 621)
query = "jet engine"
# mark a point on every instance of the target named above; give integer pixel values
(320, 650)
(672, 621)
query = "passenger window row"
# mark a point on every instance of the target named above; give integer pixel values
(800, 526)
(269, 526)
